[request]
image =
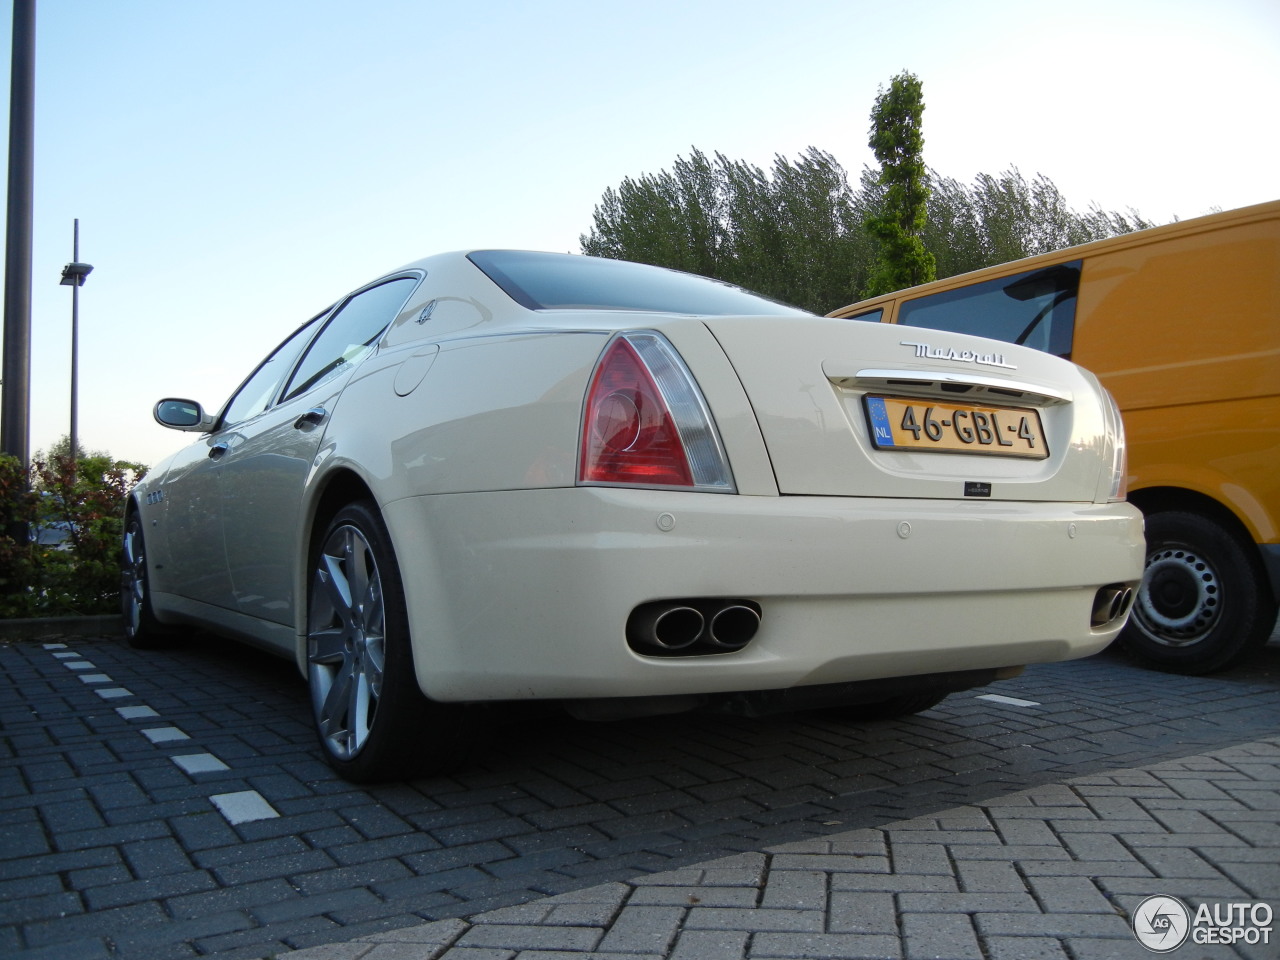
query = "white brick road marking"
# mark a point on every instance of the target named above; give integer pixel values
(199, 763)
(1011, 701)
(136, 713)
(164, 734)
(243, 807)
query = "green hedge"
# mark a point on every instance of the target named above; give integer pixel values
(82, 575)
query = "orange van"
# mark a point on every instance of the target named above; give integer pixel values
(1182, 324)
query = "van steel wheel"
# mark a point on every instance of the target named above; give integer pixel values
(1203, 603)
(370, 716)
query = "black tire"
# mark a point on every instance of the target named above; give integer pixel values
(900, 706)
(142, 630)
(372, 720)
(1204, 603)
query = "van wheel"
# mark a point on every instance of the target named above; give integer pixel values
(373, 721)
(1204, 603)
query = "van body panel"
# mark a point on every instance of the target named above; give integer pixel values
(1181, 323)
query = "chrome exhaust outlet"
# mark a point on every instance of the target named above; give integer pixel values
(667, 626)
(1111, 603)
(733, 626)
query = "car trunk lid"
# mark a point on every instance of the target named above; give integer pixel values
(848, 408)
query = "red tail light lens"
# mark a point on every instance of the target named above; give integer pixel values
(645, 422)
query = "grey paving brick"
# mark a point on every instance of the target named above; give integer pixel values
(308, 861)
(989, 876)
(232, 898)
(532, 938)
(155, 858)
(111, 836)
(40, 906)
(147, 890)
(693, 896)
(283, 910)
(643, 929)
(937, 936)
(161, 939)
(1056, 924)
(48, 932)
(1023, 948)
(862, 913)
(893, 883)
(1172, 862)
(835, 946)
(917, 858)
(794, 889)
(755, 920)
(1069, 895)
(710, 945)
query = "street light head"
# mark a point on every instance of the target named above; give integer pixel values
(73, 274)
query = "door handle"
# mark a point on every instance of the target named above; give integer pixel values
(217, 450)
(312, 418)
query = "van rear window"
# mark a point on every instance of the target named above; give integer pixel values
(1036, 309)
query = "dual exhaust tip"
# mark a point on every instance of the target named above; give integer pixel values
(1111, 603)
(692, 627)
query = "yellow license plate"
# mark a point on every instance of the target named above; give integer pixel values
(901, 423)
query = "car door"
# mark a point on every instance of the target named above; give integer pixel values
(268, 459)
(193, 545)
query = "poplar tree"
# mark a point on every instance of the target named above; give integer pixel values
(897, 139)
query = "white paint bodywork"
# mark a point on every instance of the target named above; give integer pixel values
(464, 429)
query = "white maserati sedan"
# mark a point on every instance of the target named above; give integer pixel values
(504, 475)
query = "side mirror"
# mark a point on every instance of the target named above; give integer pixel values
(182, 415)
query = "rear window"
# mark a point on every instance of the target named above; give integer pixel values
(1036, 308)
(556, 281)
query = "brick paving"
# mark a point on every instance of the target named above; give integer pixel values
(173, 804)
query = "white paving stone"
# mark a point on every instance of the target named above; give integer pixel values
(243, 807)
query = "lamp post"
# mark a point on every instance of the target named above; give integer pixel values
(73, 276)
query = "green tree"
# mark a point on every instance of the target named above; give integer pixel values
(793, 232)
(897, 139)
(62, 448)
(1006, 217)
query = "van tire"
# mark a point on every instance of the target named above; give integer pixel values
(1204, 604)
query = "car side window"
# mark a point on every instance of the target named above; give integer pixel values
(350, 334)
(256, 393)
(1036, 308)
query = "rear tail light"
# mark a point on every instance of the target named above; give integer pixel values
(646, 423)
(1119, 452)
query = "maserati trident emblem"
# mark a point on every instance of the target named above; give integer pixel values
(930, 352)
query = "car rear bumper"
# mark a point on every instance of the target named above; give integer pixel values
(526, 594)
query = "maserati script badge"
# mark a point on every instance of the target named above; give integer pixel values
(959, 356)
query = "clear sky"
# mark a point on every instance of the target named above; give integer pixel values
(236, 165)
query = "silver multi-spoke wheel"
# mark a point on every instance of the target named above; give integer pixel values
(141, 628)
(133, 578)
(346, 641)
(372, 718)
